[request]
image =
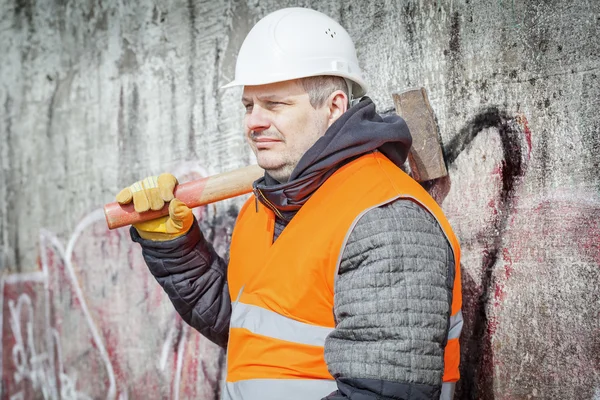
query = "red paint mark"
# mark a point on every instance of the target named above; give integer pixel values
(522, 120)
(493, 206)
(492, 326)
(498, 169)
(112, 348)
(590, 242)
(25, 366)
(508, 268)
(498, 294)
(191, 369)
(577, 222)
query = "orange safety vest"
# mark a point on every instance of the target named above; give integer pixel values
(282, 291)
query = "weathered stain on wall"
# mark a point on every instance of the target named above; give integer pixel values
(94, 95)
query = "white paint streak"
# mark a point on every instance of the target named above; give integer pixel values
(167, 347)
(93, 217)
(30, 365)
(37, 276)
(50, 332)
(180, 356)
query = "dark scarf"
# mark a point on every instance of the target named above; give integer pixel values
(358, 131)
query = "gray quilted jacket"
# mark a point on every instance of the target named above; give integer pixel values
(392, 301)
(393, 291)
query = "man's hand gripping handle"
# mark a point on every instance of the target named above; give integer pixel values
(192, 194)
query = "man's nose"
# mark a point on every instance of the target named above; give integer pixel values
(257, 119)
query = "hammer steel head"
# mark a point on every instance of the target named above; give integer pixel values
(426, 158)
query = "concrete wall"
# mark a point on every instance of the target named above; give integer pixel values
(96, 94)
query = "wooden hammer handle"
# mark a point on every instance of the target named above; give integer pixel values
(194, 194)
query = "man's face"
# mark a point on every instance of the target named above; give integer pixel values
(281, 125)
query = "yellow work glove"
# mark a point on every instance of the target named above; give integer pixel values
(151, 194)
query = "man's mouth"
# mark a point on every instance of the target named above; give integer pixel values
(266, 140)
(263, 143)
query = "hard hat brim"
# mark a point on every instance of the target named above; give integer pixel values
(358, 91)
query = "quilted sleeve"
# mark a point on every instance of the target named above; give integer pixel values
(392, 306)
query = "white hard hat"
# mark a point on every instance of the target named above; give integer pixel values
(296, 43)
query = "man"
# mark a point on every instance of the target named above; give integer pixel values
(343, 280)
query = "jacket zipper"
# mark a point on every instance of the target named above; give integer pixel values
(257, 193)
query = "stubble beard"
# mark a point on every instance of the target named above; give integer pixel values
(277, 164)
(288, 159)
(281, 167)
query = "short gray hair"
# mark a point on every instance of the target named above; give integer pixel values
(320, 87)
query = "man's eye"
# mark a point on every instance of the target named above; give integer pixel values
(248, 108)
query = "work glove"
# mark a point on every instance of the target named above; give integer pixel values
(151, 194)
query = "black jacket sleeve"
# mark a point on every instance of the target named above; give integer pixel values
(195, 279)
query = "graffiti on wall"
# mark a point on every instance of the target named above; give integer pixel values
(514, 253)
(93, 323)
(515, 142)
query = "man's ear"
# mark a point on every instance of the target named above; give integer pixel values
(338, 104)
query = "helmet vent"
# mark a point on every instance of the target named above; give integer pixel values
(331, 33)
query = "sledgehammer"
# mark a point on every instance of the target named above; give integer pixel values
(425, 159)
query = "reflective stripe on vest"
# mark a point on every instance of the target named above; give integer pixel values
(278, 389)
(456, 324)
(268, 323)
(448, 391)
(284, 310)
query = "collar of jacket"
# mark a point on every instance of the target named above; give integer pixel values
(358, 131)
